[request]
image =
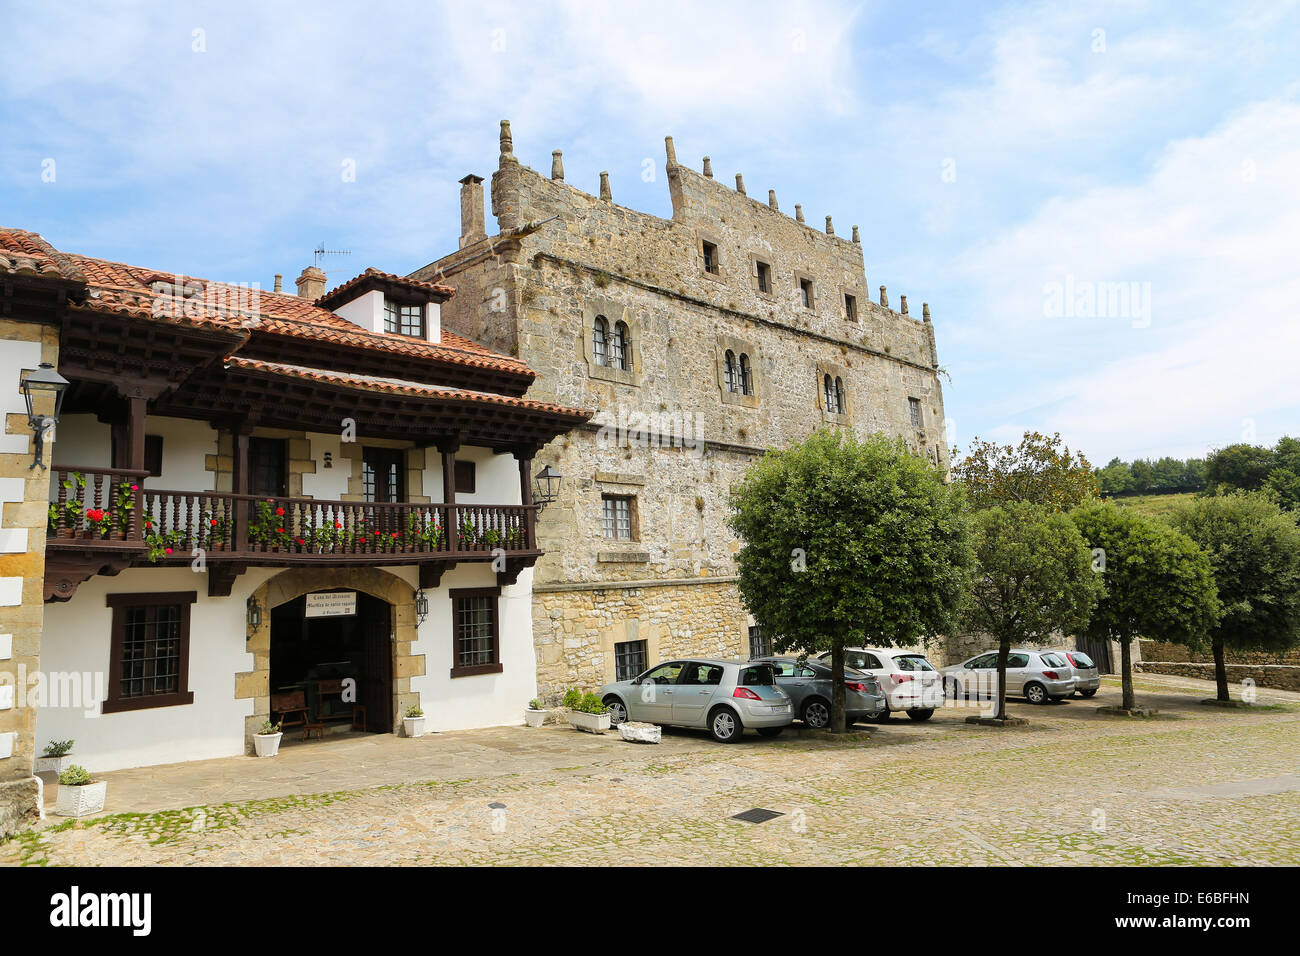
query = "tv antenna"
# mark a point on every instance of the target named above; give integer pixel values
(322, 251)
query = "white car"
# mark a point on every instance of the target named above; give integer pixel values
(909, 682)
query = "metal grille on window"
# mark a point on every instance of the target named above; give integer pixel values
(759, 645)
(914, 409)
(599, 343)
(474, 630)
(746, 376)
(151, 651)
(629, 659)
(618, 347)
(730, 370)
(839, 396)
(616, 517)
(828, 391)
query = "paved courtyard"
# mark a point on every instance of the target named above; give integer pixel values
(1194, 785)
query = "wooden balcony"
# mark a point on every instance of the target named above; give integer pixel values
(103, 520)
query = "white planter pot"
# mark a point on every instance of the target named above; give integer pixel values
(81, 801)
(267, 745)
(592, 723)
(53, 764)
(534, 718)
(414, 726)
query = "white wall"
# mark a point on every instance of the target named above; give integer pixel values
(76, 639)
(496, 477)
(367, 311)
(86, 441)
(486, 700)
(328, 484)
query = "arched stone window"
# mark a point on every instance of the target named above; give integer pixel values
(745, 374)
(828, 394)
(620, 347)
(839, 396)
(732, 376)
(600, 341)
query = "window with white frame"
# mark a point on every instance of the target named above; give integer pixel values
(616, 517)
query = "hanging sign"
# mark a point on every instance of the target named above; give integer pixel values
(331, 604)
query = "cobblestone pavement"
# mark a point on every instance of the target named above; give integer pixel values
(1194, 785)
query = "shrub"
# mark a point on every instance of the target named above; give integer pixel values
(58, 748)
(534, 704)
(591, 704)
(75, 776)
(573, 698)
(414, 711)
(269, 728)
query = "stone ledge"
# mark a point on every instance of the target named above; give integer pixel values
(618, 478)
(1215, 702)
(623, 557)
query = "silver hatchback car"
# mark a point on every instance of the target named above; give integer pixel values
(809, 685)
(1036, 675)
(1087, 676)
(722, 697)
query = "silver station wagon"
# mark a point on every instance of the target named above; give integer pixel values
(722, 697)
(1036, 675)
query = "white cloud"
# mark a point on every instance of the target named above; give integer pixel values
(1215, 230)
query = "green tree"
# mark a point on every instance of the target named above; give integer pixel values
(1143, 475)
(1038, 470)
(848, 542)
(1033, 577)
(1116, 478)
(1254, 549)
(1284, 480)
(1238, 466)
(1158, 583)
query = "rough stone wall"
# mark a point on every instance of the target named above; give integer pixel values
(1179, 653)
(1277, 676)
(536, 289)
(24, 499)
(576, 630)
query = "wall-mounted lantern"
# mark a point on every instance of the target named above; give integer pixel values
(254, 616)
(546, 486)
(44, 379)
(421, 607)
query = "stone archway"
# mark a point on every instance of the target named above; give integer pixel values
(295, 582)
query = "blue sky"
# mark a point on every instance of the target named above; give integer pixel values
(990, 154)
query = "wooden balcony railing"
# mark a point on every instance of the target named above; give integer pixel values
(170, 524)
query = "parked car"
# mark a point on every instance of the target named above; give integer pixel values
(909, 682)
(722, 697)
(809, 686)
(1036, 675)
(1087, 676)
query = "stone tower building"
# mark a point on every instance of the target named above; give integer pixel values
(702, 340)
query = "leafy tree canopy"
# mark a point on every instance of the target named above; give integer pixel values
(1039, 470)
(848, 542)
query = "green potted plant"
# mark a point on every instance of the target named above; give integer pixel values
(123, 508)
(55, 759)
(586, 712)
(161, 543)
(218, 532)
(79, 795)
(266, 742)
(413, 722)
(535, 714)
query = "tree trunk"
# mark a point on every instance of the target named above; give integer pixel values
(1126, 671)
(1220, 668)
(1004, 651)
(837, 687)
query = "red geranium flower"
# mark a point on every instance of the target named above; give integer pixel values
(213, 522)
(279, 531)
(278, 512)
(300, 541)
(337, 525)
(95, 514)
(168, 550)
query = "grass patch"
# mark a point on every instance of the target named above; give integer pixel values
(1155, 506)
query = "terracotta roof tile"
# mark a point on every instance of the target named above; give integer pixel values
(339, 293)
(398, 386)
(26, 253)
(128, 290)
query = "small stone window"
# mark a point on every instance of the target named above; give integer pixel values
(732, 371)
(617, 517)
(630, 659)
(833, 399)
(763, 275)
(914, 410)
(709, 251)
(600, 341)
(850, 307)
(806, 293)
(620, 347)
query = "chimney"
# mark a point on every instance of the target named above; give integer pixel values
(471, 210)
(311, 284)
(279, 283)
